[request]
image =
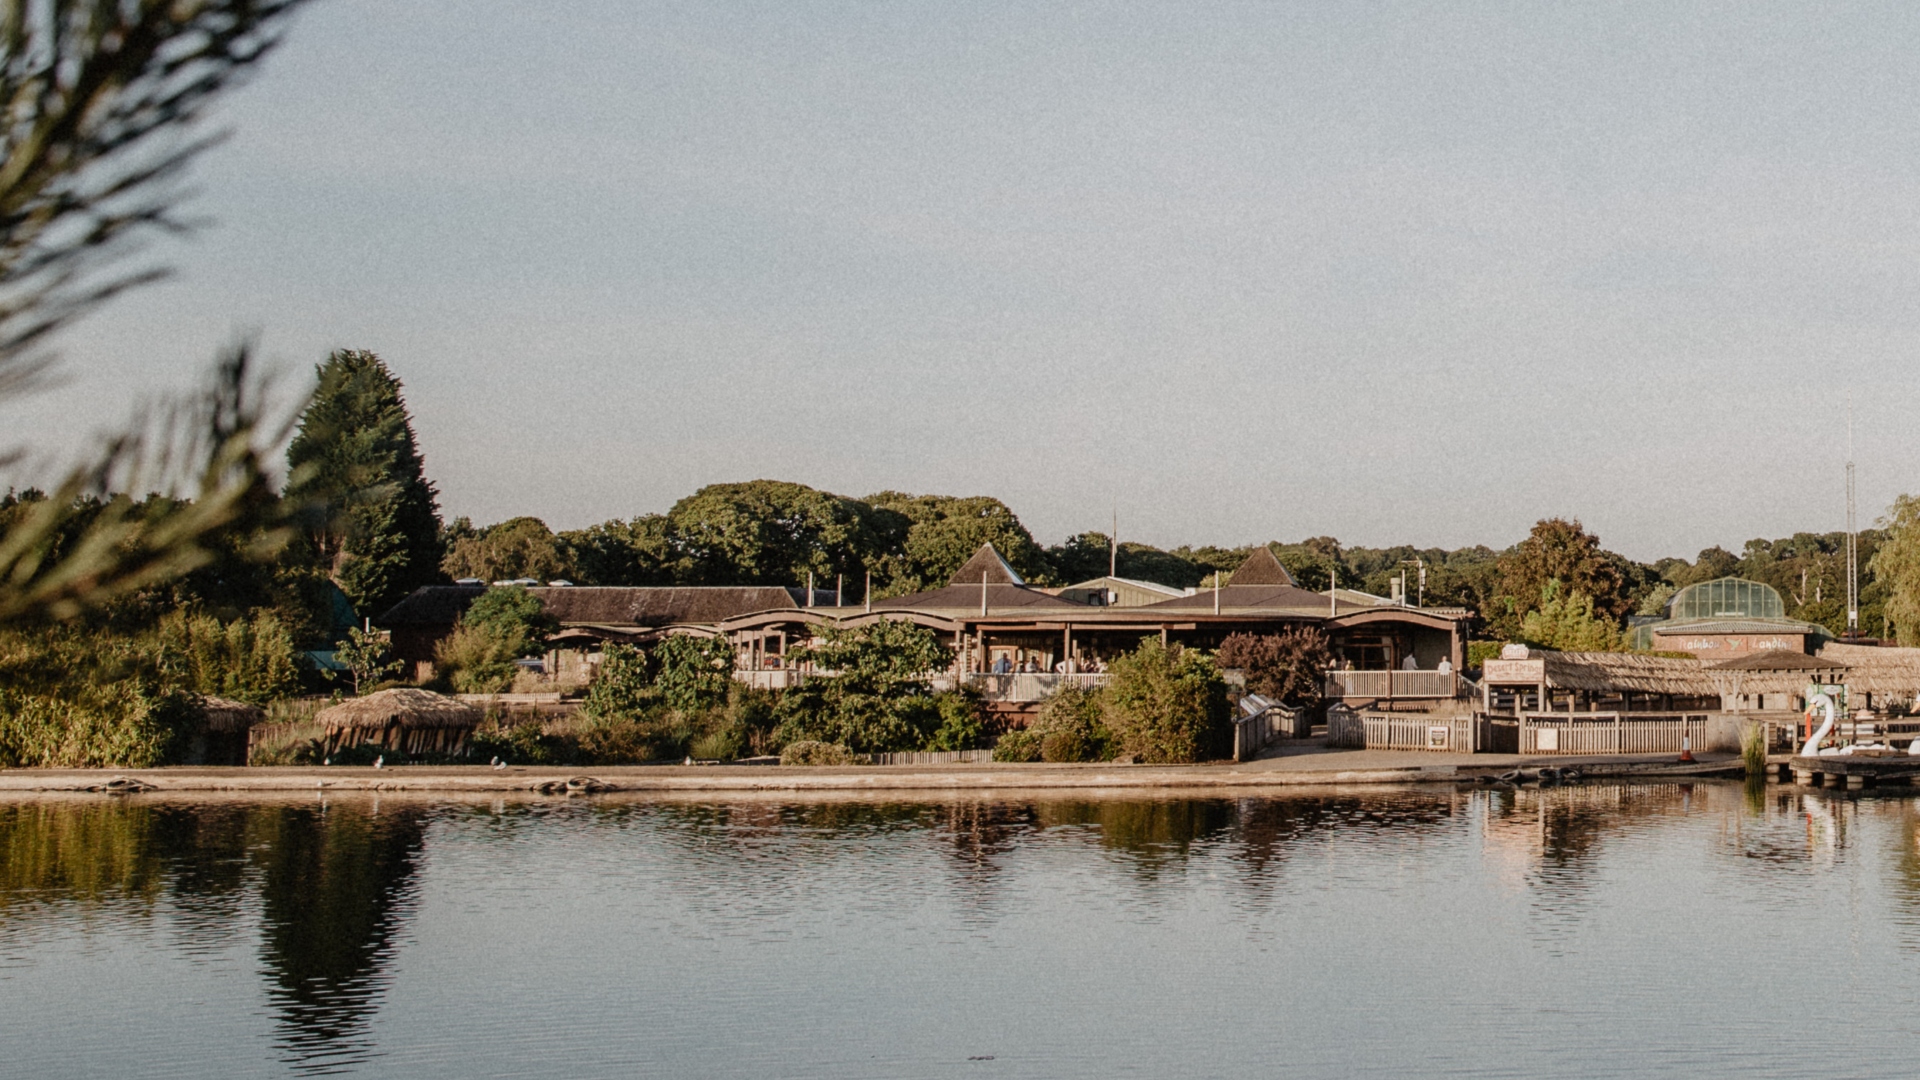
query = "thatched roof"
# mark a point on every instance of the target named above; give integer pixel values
(407, 708)
(1778, 660)
(986, 565)
(1261, 568)
(1631, 672)
(225, 716)
(1876, 669)
(966, 598)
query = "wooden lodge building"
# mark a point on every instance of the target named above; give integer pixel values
(992, 618)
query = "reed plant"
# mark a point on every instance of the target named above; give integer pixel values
(1753, 748)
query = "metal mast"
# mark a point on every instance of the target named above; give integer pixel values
(1853, 545)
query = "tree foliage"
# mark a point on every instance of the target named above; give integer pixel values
(1566, 620)
(693, 672)
(368, 658)
(1557, 550)
(521, 547)
(371, 516)
(511, 613)
(1897, 566)
(932, 536)
(1289, 666)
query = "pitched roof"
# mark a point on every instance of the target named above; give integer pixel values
(577, 605)
(1877, 669)
(966, 598)
(986, 565)
(1642, 674)
(1236, 596)
(1261, 568)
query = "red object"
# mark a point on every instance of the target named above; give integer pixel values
(1686, 749)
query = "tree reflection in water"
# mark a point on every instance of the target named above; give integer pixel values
(334, 884)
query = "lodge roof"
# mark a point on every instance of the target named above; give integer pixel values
(967, 598)
(441, 605)
(1238, 597)
(986, 565)
(1261, 568)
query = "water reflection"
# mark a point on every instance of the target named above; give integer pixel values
(333, 887)
(326, 893)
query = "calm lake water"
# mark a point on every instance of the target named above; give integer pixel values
(1594, 931)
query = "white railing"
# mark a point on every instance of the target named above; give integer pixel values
(1392, 684)
(1029, 686)
(770, 678)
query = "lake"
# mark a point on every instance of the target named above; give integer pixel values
(1605, 930)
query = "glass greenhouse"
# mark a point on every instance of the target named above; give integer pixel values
(1727, 598)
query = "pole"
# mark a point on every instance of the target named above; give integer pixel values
(869, 590)
(839, 590)
(1853, 543)
(1216, 592)
(1113, 546)
(809, 588)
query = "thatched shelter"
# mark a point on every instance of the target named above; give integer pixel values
(411, 721)
(1773, 671)
(1883, 671)
(221, 738)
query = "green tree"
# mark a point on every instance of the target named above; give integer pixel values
(511, 613)
(933, 535)
(515, 548)
(878, 698)
(1556, 549)
(354, 466)
(367, 658)
(1566, 620)
(771, 533)
(1167, 704)
(1896, 565)
(617, 552)
(1086, 556)
(622, 688)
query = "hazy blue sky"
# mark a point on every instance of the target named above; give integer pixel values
(1387, 271)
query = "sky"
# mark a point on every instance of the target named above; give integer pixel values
(1391, 272)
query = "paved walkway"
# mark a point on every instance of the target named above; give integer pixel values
(1292, 767)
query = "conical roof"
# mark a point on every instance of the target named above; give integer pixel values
(987, 566)
(1261, 568)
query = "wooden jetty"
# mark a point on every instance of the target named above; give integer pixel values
(1868, 768)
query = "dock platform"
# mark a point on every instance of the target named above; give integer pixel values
(1871, 769)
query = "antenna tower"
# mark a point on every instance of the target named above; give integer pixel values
(1853, 543)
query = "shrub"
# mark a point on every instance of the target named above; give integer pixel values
(247, 660)
(74, 698)
(1479, 652)
(1071, 727)
(1289, 666)
(831, 711)
(879, 700)
(615, 742)
(692, 672)
(623, 687)
(722, 745)
(477, 660)
(523, 742)
(1167, 705)
(1018, 746)
(813, 752)
(963, 721)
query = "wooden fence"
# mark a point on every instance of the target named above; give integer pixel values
(1252, 734)
(927, 757)
(1354, 729)
(1027, 686)
(1610, 733)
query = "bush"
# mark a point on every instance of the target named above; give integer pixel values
(880, 700)
(477, 659)
(1071, 727)
(246, 660)
(616, 742)
(510, 613)
(722, 745)
(75, 698)
(1479, 652)
(1018, 746)
(623, 687)
(963, 721)
(813, 752)
(692, 672)
(1167, 705)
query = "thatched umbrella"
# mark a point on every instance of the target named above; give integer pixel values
(413, 721)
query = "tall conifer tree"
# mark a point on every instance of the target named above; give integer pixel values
(373, 519)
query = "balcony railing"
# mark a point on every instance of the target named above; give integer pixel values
(1026, 687)
(1392, 684)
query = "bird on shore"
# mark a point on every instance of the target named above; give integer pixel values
(498, 764)
(380, 762)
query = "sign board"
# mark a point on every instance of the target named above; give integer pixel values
(1529, 672)
(1546, 739)
(1437, 738)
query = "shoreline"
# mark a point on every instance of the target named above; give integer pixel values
(1286, 771)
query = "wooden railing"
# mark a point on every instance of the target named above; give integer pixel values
(770, 678)
(1352, 729)
(1610, 733)
(1252, 734)
(1024, 687)
(1392, 684)
(927, 757)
